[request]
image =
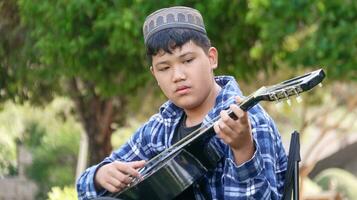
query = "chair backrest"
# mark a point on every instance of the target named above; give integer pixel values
(292, 172)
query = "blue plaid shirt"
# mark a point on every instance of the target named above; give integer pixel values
(261, 177)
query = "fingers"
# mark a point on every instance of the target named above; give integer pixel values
(230, 129)
(137, 164)
(111, 180)
(242, 116)
(227, 123)
(117, 175)
(114, 185)
(121, 177)
(239, 99)
(111, 188)
(226, 127)
(129, 168)
(223, 132)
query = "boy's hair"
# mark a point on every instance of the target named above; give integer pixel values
(169, 39)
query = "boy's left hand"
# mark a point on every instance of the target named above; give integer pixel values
(236, 133)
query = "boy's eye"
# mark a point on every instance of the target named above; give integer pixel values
(188, 60)
(163, 68)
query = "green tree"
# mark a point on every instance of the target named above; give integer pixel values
(87, 47)
(18, 80)
(50, 134)
(338, 180)
(93, 52)
(304, 33)
(57, 193)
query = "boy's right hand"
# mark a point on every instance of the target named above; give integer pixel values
(115, 176)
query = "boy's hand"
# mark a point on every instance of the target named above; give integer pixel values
(115, 176)
(236, 133)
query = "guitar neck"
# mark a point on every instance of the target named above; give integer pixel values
(202, 131)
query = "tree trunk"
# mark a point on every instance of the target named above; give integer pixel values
(97, 115)
(97, 119)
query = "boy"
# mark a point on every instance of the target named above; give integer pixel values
(182, 60)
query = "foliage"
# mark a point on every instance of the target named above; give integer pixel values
(339, 180)
(92, 52)
(10, 127)
(20, 78)
(97, 41)
(58, 193)
(311, 187)
(101, 41)
(50, 134)
(307, 33)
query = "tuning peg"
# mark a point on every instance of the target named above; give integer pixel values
(287, 98)
(320, 84)
(299, 99)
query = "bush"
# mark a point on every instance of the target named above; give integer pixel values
(67, 193)
(51, 134)
(339, 180)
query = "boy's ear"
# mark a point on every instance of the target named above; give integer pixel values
(152, 71)
(213, 57)
(153, 74)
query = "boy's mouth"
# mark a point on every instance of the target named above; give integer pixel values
(182, 89)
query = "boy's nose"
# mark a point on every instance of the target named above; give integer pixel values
(178, 74)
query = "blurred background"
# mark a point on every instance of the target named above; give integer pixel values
(75, 84)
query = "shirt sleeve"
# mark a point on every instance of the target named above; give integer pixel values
(137, 148)
(261, 177)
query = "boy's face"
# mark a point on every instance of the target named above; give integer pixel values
(186, 75)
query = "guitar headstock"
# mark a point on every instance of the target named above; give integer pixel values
(285, 89)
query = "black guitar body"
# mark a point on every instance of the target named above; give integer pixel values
(173, 173)
(171, 178)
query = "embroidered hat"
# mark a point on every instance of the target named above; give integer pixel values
(173, 17)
